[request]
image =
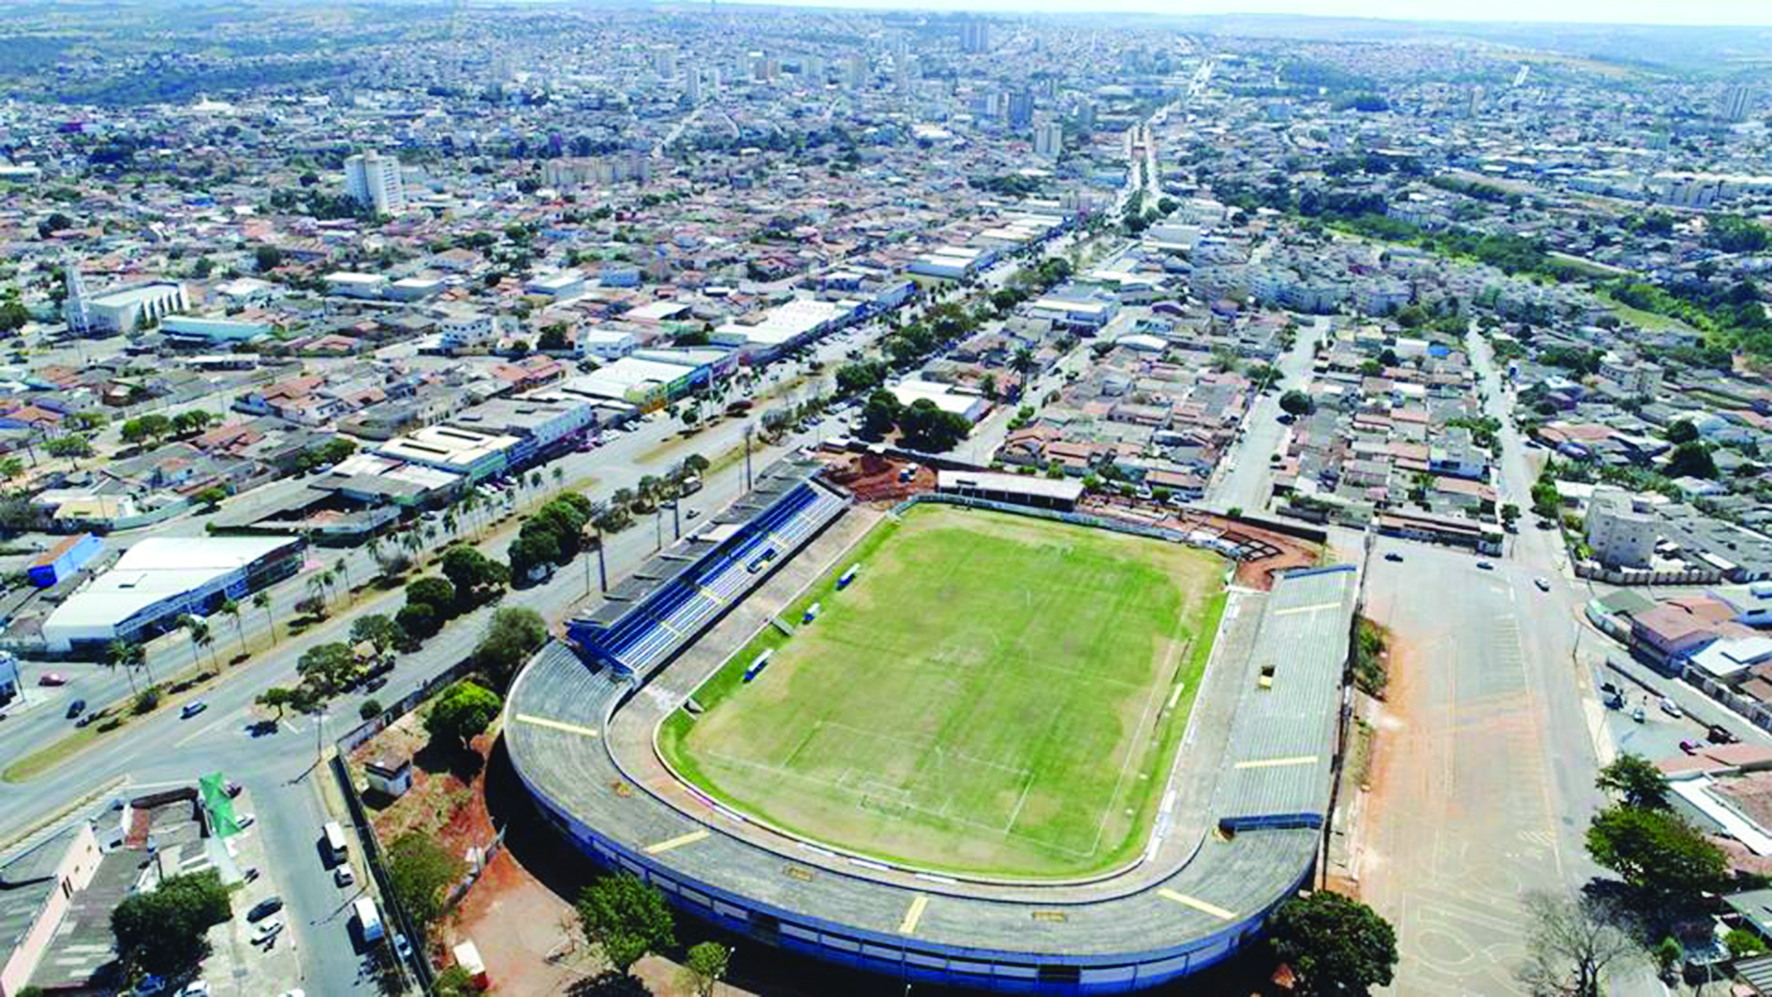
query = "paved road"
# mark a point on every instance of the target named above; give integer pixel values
(1486, 786)
(1244, 477)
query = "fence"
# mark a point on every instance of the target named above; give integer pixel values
(1632, 576)
(350, 741)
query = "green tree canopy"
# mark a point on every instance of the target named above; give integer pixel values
(329, 668)
(626, 918)
(1656, 851)
(1296, 402)
(437, 593)
(377, 630)
(512, 635)
(420, 872)
(162, 931)
(1636, 781)
(704, 966)
(1691, 459)
(462, 713)
(1336, 944)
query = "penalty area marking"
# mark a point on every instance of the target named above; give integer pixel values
(556, 725)
(1197, 904)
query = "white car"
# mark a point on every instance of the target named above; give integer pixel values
(1671, 708)
(343, 876)
(195, 988)
(245, 821)
(267, 930)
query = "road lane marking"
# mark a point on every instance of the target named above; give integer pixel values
(678, 842)
(207, 728)
(556, 725)
(1269, 763)
(1197, 904)
(914, 914)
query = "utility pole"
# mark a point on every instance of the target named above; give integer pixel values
(747, 456)
(658, 527)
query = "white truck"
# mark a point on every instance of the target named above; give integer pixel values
(368, 920)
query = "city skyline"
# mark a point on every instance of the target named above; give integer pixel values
(1703, 13)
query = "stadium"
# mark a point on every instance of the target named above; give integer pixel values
(956, 743)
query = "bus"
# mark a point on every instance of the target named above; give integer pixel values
(335, 841)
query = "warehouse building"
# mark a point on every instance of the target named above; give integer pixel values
(162, 578)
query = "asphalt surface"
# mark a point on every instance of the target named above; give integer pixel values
(1244, 478)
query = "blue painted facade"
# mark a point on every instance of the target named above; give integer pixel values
(64, 559)
(914, 961)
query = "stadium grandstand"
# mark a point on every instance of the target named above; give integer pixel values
(666, 602)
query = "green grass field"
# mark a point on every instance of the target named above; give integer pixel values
(994, 694)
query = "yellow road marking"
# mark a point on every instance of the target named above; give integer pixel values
(710, 593)
(556, 725)
(679, 841)
(1269, 763)
(1197, 904)
(915, 914)
(1307, 609)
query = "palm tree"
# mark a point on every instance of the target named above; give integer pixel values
(343, 568)
(317, 590)
(122, 654)
(328, 579)
(559, 477)
(263, 601)
(198, 632)
(232, 608)
(450, 523)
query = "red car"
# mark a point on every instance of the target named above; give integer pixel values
(52, 678)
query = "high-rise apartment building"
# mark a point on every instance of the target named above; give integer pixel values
(373, 180)
(856, 75)
(1049, 140)
(975, 37)
(1021, 108)
(664, 61)
(1737, 103)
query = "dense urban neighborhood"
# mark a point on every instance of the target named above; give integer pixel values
(533, 499)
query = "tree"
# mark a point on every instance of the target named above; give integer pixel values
(512, 635)
(418, 621)
(1573, 945)
(1636, 781)
(1742, 943)
(1656, 851)
(471, 572)
(1691, 460)
(162, 931)
(126, 655)
(210, 498)
(456, 982)
(377, 630)
(437, 593)
(329, 668)
(1296, 402)
(626, 918)
(198, 631)
(553, 339)
(231, 608)
(283, 698)
(927, 428)
(267, 258)
(420, 872)
(462, 713)
(1335, 944)
(73, 447)
(262, 600)
(705, 966)
(880, 414)
(1681, 431)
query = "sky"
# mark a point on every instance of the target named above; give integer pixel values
(1728, 12)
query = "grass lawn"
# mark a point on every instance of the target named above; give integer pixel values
(1649, 321)
(993, 694)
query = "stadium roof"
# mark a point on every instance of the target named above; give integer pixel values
(1066, 490)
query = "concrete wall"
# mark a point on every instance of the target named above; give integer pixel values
(72, 875)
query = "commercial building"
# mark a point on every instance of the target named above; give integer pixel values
(131, 308)
(605, 344)
(565, 284)
(162, 578)
(193, 331)
(469, 452)
(539, 420)
(783, 328)
(1621, 529)
(961, 403)
(644, 384)
(36, 889)
(1017, 489)
(356, 285)
(373, 180)
(9, 680)
(467, 330)
(59, 563)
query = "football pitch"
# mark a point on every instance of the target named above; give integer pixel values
(993, 694)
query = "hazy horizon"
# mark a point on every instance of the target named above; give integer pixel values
(1695, 13)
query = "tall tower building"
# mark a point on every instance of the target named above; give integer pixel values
(1021, 108)
(1049, 140)
(975, 37)
(74, 308)
(373, 180)
(664, 61)
(692, 85)
(855, 76)
(1737, 103)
